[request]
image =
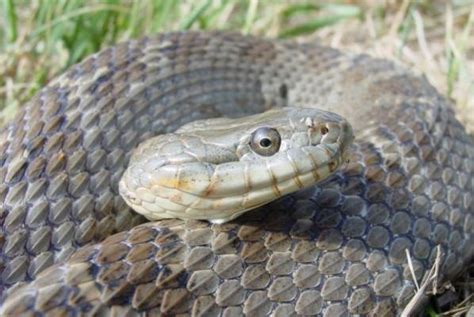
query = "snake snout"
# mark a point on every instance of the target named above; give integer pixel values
(137, 180)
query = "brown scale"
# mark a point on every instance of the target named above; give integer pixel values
(333, 250)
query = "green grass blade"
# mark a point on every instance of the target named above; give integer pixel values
(10, 20)
(188, 22)
(250, 16)
(335, 14)
(299, 8)
(68, 16)
(311, 26)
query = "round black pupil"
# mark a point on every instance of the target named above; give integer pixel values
(265, 142)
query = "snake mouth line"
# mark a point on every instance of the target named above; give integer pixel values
(165, 199)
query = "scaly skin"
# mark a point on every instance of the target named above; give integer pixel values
(213, 170)
(336, 249)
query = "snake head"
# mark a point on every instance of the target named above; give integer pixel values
(217, 169)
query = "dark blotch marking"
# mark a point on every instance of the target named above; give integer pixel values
(284, 91)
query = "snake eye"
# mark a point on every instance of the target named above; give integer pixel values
(265, 141)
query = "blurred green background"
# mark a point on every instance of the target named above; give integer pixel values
(41, 38)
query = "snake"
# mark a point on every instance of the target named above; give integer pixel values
(358, 174)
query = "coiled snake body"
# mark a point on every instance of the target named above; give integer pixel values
(335, 249)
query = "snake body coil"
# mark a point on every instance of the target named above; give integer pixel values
(335, 249)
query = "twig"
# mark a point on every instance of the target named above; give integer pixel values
(427, 281)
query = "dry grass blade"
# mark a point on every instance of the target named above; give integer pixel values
(420, 34)
(412, 270)
(461, 308)
(428, 280)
